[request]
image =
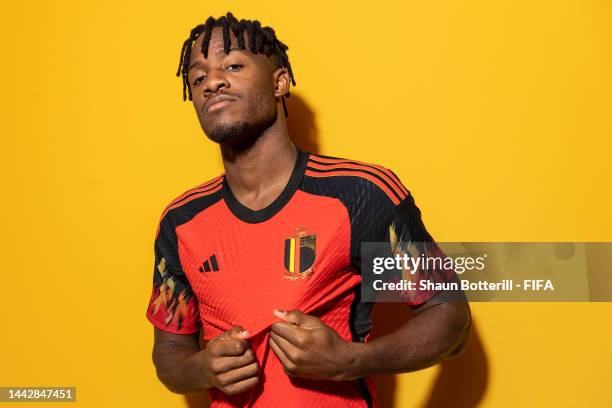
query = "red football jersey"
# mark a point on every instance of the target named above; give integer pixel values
(219, 264)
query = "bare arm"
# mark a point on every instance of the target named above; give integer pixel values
(309, 348)
(178, 363)
(439, 330)
(227, 362)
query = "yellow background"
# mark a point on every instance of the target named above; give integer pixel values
(496, 115)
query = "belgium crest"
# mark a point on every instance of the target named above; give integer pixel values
(300, 254)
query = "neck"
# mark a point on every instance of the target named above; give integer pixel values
(258, 173)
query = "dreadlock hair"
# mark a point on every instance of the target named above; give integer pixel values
(261, 40)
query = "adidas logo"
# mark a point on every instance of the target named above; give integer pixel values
(210, 265)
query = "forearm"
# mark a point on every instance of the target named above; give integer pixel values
(180, 369)
(432, 335)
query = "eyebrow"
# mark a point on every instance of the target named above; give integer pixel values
(196, 63)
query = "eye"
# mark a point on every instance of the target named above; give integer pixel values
(234, 65)
(199, 80)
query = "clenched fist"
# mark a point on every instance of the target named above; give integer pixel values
(229, 362)
(309, 348)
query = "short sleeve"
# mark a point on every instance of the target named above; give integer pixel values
(408, 235)
(172, 306)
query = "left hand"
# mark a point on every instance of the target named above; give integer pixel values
(309, 348)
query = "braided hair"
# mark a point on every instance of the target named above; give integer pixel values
(261, 40)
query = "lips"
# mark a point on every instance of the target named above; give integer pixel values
(218, 105)
(218, 102)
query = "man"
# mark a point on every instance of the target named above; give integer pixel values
(266, 256)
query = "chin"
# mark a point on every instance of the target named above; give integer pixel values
(228, 132)
(239, 132)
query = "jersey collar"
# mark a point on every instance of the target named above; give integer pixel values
(255, 216)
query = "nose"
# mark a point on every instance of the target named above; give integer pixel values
(215, 80)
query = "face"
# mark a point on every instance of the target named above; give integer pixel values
(247, 86)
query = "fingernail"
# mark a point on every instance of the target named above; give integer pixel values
(245, 332)
(280, 312)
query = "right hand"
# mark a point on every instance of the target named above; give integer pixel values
(229, 362)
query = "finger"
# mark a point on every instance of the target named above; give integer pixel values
(241, 386)
(237, 332)
(290, 332)
(293, 316)
(296, 317)
(228, 347)
(239, 374)
(220, 365)
(290, 349)
(288, 365)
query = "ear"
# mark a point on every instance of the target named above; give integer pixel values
(281, 82)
